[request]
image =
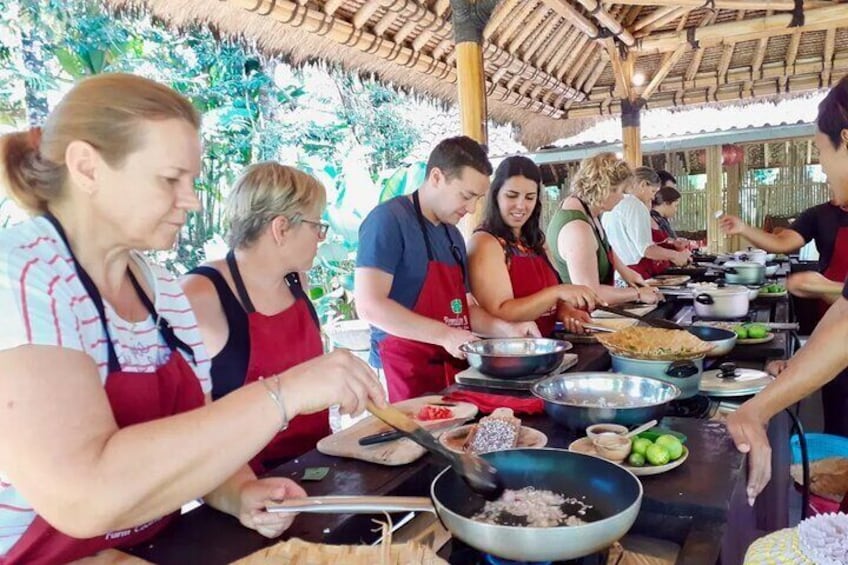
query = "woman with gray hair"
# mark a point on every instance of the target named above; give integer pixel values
(630, 233)
(251, 308)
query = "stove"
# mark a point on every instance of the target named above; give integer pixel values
(462, 554)
(698, 406)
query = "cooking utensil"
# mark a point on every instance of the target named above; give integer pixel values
(431, 426)
(382, 437)
(515, 358)
(614, 493)
(643, 428)
(729, 381)
(722, 303)
(752, 255)
(723, 340)
(685, 374)
(578, 400)
(655, 322)
(480, 476)
(742, 272)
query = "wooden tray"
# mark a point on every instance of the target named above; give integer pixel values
(637, 309)
(397, 452)
(527, 437)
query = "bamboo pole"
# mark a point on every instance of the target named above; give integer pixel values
(575, 18)
(472, 90)
(833, 16)
(734, 182)
(608, 21)
(663, 71)
(715, 238)
(631, 135)
(778, 5)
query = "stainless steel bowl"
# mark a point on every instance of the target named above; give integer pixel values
(723, 340)
(515, 358)
(578, 400)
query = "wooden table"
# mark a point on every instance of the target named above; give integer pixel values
(699, 505)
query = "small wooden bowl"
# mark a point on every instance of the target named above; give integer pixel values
(597, 430)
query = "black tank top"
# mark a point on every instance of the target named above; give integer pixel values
(229, 366)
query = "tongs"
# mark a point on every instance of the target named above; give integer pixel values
(655, 322)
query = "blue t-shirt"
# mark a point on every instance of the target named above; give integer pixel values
(390, 239)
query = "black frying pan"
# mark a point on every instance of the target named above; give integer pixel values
(614, 493)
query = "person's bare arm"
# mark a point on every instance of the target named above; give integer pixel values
(787, 241)
(659, 253)
(810, 284)
(64, 452)
(206, 304)
(491, 285)
(577, 245)
(815, 364)
(371, 293)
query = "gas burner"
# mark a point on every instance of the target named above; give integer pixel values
(463, 554)
(698, 406)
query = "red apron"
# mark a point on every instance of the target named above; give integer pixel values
(135, 398)
(837, 268)
(277, 343)
(649, 267)
(530, 274)
(414, 368)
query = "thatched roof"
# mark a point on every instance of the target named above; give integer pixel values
(554, 66)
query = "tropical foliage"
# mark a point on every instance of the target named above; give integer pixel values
(348, 131)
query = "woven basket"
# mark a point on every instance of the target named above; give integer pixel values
(298, 552)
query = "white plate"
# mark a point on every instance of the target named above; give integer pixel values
(755, 341)
(527, 437)
(584, 445)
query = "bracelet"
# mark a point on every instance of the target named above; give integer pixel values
(638, 293)
(275, 396)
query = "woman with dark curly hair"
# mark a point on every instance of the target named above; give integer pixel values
(510, 272)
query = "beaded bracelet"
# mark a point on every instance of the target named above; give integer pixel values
(275, 396)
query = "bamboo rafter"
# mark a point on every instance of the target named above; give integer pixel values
(777, 5)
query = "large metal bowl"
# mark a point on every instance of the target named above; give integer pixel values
(723, 340)
(515, 358)
(578, 400)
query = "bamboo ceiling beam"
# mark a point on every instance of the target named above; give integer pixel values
(654, 16)
(501, 12)
(759, 57)
(558, 39)
(622, 69)
(600, 66)
(724, 63)
(513, 24)
(331, 6)
(663, 71)
(631, 15)
(777, 5)
(530, 26)
(343, 33)
(574, 17)
(579, 65)
(792, 49)
(542, 35)
(559, 54)
(743, 30)
(363, 14)
(679, 12)
(608, 21)
(572, 54)
(827, 56)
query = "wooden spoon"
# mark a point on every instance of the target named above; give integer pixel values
(480, 475)
(644, 427)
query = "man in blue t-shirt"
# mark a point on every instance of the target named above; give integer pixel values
(411, 280)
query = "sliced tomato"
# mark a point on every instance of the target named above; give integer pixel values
(430, 412)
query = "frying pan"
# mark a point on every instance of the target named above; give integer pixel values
(614, 493)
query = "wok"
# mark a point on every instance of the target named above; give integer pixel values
(614, 493)
(515, 358)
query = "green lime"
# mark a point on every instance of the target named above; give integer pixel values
(636, 460)
(640, 446)
(657, 455)
(757, 332)
(741, 332)
(672, 445)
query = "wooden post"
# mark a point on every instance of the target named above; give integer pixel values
(734, 183)
(469, 21)
(716, 242)
(471, 83)
(631, 134)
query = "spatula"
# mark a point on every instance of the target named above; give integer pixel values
(481, 476)
(656, 322)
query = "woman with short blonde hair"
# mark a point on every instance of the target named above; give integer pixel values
(251, 307)
(104, 431)
(580, 248)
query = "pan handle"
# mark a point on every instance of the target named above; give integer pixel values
(353, 504)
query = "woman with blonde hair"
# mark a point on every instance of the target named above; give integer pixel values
(252, 311)
(105, 434)
(581, 250)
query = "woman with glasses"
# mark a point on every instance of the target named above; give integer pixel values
(251, 307)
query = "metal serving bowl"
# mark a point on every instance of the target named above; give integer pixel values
(723, 340)
(515, 358)
(578, 400)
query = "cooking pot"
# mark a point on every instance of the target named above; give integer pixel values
(578, 400)
(722, 303)
(515, 358)
(686, 375)
(614, 494)
(744, 272)
(752, 255)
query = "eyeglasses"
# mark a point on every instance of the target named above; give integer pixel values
(321, 227)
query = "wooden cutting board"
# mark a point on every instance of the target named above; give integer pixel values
(397, 452)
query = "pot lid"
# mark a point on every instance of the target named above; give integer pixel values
(724, 291)
(744, 382)
(744, 265)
